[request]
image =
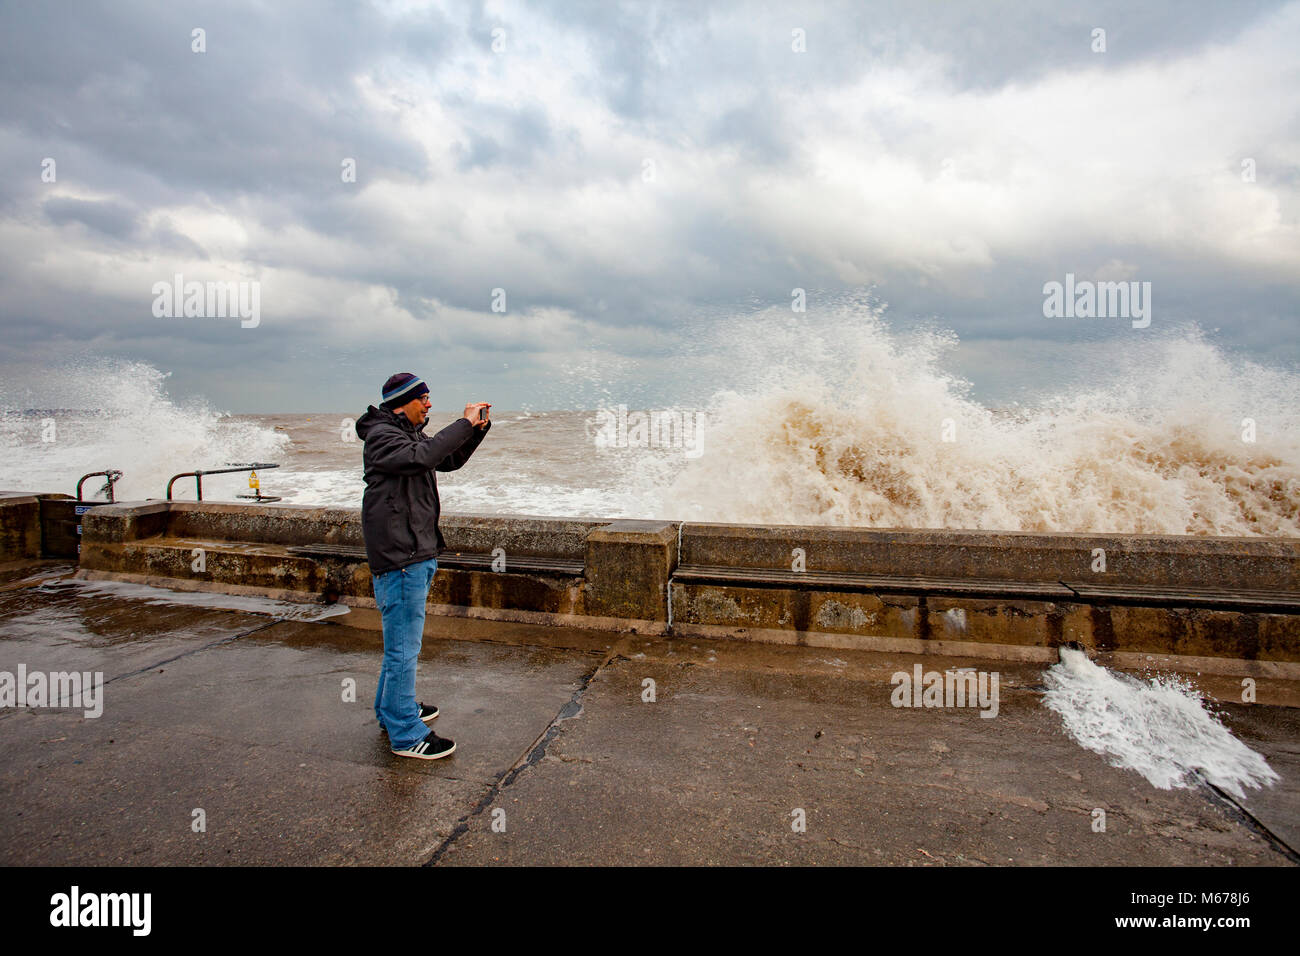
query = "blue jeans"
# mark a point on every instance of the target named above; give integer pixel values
(400, 596)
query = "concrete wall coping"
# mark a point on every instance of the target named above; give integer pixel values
(134, 507)
(17, 498)
(1146, 560)
(632, 530)
(694, 529)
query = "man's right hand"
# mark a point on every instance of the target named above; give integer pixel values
(471, 411)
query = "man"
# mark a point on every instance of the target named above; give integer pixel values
(399, 521)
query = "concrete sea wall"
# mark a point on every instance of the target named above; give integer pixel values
(1219, 605)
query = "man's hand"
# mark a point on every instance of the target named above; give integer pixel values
(471, 413)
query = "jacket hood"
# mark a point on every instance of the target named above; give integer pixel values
(373, 416)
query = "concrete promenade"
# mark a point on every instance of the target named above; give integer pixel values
(242, 715)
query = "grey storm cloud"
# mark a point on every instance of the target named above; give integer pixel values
(121, 80)
(114, 219)
(511, 137)
(624, 171)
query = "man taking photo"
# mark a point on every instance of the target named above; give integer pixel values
(399, 521)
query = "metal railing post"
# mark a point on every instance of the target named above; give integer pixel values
(198, 474)
(112, 474)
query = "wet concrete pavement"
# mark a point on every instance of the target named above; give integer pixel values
(561, 757)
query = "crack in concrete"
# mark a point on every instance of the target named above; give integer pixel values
(197, 650)
(530, 757)
(1249, 819)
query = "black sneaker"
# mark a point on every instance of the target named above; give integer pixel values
(431, 747)
(427, 713)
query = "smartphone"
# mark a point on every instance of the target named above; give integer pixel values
(482, 413)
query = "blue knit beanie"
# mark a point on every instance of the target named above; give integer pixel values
(402, 388)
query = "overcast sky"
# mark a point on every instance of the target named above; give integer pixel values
(629, 174)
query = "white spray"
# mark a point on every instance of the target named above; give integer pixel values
(1159, 727)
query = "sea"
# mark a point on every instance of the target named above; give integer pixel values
(855, 426)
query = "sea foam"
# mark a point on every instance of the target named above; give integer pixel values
(1159, 727)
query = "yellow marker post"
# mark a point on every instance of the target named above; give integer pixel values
(252, 480)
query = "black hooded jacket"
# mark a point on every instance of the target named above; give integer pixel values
(399, 511)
